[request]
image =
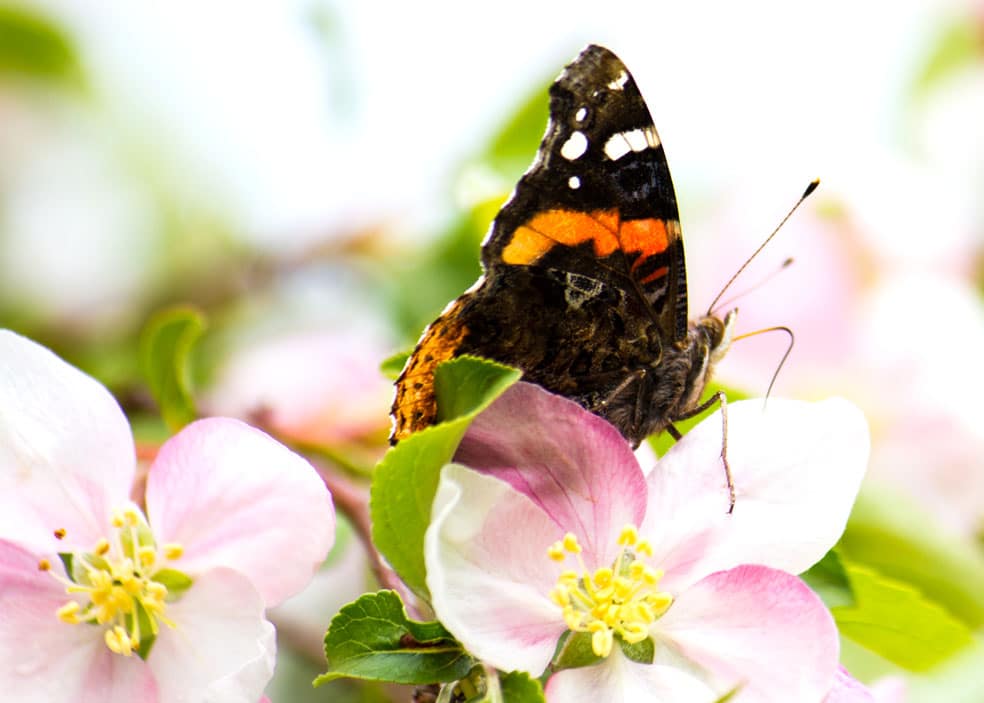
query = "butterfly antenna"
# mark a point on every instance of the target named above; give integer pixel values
(806, 193)
(751, 289)
(782, 361)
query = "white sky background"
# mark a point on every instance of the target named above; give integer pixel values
(253, 116)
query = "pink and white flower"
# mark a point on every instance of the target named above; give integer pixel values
(101, 602)
(548, 525)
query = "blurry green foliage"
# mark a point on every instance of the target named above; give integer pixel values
(165, 358)
(896, 621)
(891, 535)
(829, 580)
(420, 287)
(405, 481)
(958, 45)
(393, 364)
(34, 47)
(510, 151)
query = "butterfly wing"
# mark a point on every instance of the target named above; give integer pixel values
(599, 198)
(584, 278)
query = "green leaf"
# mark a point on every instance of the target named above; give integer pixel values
(518, 687)
(32, 45)
(893, 535)
(404, 482)
(67, 560)
(393, 365)
(642, 652)
(896, 621)
(574, 652)
(165, 349)
(829, 580)
(373, 638)
(145, 626)
(176, 582)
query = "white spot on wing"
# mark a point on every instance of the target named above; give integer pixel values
(581, 114)
(652, 139)
(636, 139)
(621, 143)
(619, 82)
(575, 146)
(617, 146)
(574, 182)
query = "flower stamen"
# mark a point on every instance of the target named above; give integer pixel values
(618, 601)
(119, 584)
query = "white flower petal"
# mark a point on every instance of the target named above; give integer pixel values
(619, 680)
(45, 660)
(66, 452)
(222, 648)
(797, 467)
(756, 627)
(488, 571)
(233, 496)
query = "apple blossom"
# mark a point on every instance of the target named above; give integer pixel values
(548, 526)
(102, 602)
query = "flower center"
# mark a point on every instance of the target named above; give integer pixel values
(621, 600)
(123, 586)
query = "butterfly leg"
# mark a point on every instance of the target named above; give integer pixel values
(721, 400)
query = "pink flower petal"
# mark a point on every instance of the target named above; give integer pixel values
(797, 467)
(233, 496)
(222, 648)
(488, 571)
(619, 680)
(66, 453)
(320, 387)
(43, 659)
(847, 689)
(754, 626)
(574, 465)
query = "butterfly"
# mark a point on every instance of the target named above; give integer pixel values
(584, 284)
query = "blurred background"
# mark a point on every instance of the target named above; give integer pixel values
(315, 177)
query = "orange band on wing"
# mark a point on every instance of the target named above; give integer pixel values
(567, 227)
(655, 275)
(647, 237)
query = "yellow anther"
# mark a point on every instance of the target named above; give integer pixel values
(118, 520)
(131, 515)
(601, 642)
(628, 536)
(573, 620)
(571, 544)
(119, 641)
(147, 556)
(644, 548)
(623, 588)
(569, 577)
(602, 577)
(556, 552)
(173, 550)
(560, 595)
(69, 612)
(44, 565)
(60, 533)
(634, 633)
(102, 547)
